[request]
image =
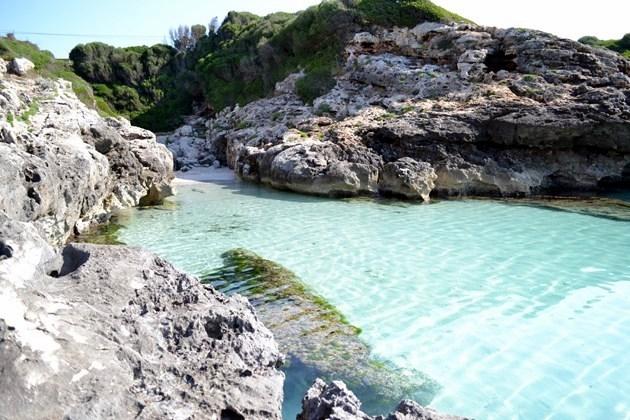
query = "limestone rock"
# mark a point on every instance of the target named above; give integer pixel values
(97, 331)
(287, 86)
(63, 167)
(494, 112)
(20, 66)
(3, 67)
(408, 178)
(499, 112)
(336, 402)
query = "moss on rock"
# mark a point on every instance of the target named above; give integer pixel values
(314, 334)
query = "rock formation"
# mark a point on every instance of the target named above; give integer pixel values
(91, 331)
(63, 167)
(442, 110)
(336, 402)
(113, 332)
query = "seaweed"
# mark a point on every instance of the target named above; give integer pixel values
(315, 334)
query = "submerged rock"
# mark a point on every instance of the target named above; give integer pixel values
(336, 402)
(316, 337)
(116, 332)
(607, 208)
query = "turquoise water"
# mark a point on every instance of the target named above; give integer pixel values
(517, 312)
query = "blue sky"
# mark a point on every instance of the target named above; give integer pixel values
(135, 22)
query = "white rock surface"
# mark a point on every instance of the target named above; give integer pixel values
(20, 66)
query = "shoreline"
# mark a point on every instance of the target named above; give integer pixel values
(200, 175)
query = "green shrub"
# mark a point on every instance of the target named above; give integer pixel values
(324, 108)
(622, 46)
(404, 12)
(12, 48)
(30, 112)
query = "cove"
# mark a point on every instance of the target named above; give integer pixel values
(511, 311)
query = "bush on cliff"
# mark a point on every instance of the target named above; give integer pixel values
(622, 46)
(47, 66)
(241, 61)
(137, 82)
(404, 12)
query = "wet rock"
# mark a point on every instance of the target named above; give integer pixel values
(20, 66)
(336, 402)
(97, 331)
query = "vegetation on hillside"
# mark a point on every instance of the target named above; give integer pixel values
(253, 53)
(234, 63)
(622, 46)
(47, 66)
(141, 83)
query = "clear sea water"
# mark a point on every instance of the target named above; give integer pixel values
(518, 312)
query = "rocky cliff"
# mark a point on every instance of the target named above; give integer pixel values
(92, 331)
(441, 110)
(64, 167)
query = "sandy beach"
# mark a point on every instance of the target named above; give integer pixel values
(203, 174)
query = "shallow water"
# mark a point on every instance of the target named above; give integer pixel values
(516, 311)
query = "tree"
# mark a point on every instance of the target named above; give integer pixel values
(197, 32)
(182, 38)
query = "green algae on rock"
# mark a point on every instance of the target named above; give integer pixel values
(314, 334)
(106, 234)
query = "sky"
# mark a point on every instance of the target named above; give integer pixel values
(138, 22)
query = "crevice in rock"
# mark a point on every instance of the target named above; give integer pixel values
(73, 259)
(231, 414)
(6, 251)
(498, 60)
(214, 329)
(34, 195)
(31, 175)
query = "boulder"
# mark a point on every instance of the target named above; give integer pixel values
(335, 401)
(115, 332)
(20, 66)
(408, 178)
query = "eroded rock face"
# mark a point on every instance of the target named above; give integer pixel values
(63, 167)
(114, 332)
(91, 331)
(408, 178)
(499, 112)
(335, 401)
